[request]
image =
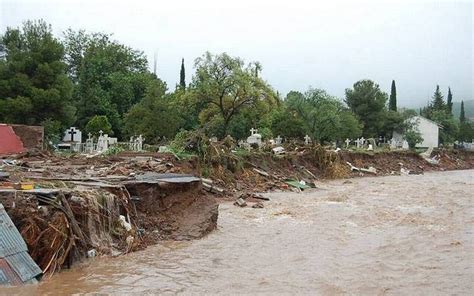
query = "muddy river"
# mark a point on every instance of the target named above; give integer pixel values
(389, 235)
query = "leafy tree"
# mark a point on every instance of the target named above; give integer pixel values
(109, 77)
(324, 117)
(392, 103)
(367, 101)
(449, 127)
(224, 87)
(182, 76)
(287, 124)
(438, 102)
(34, 87)
(450, 101)
(99, 123)
(154, 117)
(413, 137)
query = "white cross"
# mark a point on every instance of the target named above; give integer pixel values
(278, 140)
(347, 142)
(307, 139)
(90, 135)
(100, 133)
(253, 130)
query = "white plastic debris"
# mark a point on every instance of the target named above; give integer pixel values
(124, 223)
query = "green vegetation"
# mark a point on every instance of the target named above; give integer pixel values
(96, 83)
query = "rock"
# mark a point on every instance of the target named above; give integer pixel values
(258, 205)
(240, 202)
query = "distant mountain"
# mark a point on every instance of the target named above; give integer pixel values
(468, 109)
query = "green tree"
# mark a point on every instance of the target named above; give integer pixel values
(109, 77)
(413, 137)
(367, 101)
(438, 102)
(154, 116)
(466, 128)
(287, 124)
(450, 101)
(99, 123)
(392, 103)
(224, 87)
(182, 76)
(449, 127)
(34, 87)
(324, 117)
(462, 115)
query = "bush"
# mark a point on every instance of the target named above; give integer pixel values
(99, 123)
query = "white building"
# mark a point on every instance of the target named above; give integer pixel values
(428, 129)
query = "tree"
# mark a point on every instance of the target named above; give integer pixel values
(367, 101)
(99, 123)
(466, 129)
(462, 115)
(34, 87)
(182, 76)
(324, 117)
(413, 137)
(109, 77)
(450, 101)
(392, 104)
(224, 87)
(438, 102)
(154, 116)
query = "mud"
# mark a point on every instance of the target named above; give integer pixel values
(391, 235)
(178, 212)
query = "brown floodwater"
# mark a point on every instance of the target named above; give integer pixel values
(393, 235)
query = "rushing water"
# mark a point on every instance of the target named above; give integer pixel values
(389, 235)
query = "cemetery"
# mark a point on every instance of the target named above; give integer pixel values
(124, 201)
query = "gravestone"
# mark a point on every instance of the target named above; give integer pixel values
(139, 143)
(89, 144)
(102, 143)
(72, 135)
(213, 139)
(307, 140)
(254, 138)
(348, 142)
(278, 140)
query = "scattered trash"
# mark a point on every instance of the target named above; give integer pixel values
(263, 173)
(91, 253)
(258, 205)
(240, 202)
(278, 150)
(297, 184)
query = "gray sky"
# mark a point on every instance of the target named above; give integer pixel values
(327, 45)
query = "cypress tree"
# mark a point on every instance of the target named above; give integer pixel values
(182, 76)
(462, 116)
(438, 103)
(450, 101)
(392, 103)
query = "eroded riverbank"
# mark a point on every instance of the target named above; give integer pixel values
(389, 235)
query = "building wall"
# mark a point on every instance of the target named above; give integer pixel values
(429, 131)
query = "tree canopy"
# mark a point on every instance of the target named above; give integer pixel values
(225, 86)
(34, 87)
(367, 101)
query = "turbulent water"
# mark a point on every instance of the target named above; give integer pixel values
(389, 235)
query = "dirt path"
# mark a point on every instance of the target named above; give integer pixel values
(389, 235)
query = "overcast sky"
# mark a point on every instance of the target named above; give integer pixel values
(326, 45)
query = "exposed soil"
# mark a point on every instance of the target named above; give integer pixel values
(173, 212)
